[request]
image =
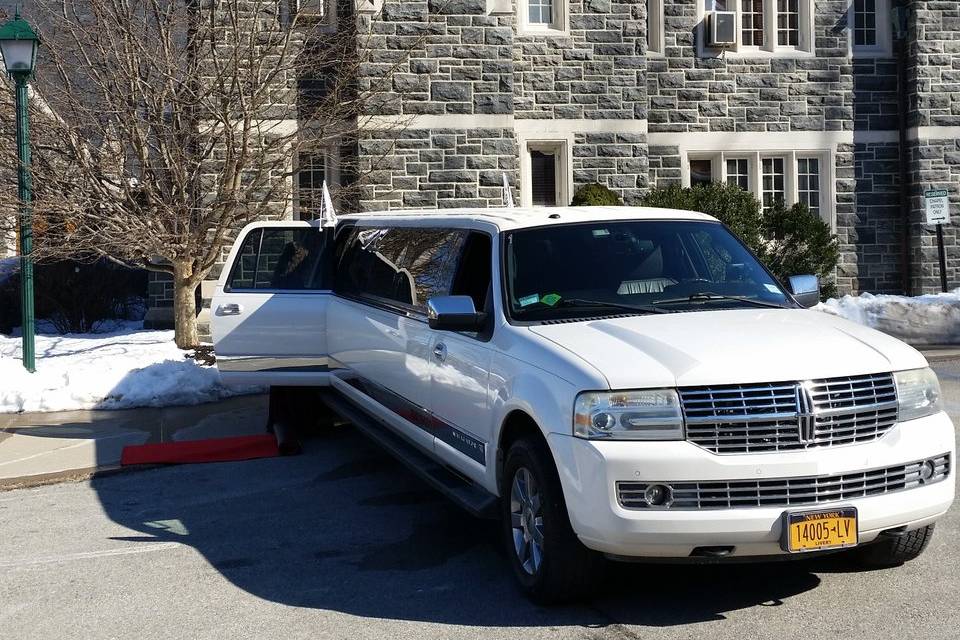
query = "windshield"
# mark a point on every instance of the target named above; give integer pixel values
(654, 266)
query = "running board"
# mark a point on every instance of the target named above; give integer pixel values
(474, 499)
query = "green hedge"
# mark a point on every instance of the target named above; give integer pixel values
(789, 240)
(595, 195)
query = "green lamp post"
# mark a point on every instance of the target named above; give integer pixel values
(18, 45)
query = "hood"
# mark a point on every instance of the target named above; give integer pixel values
(729, 347)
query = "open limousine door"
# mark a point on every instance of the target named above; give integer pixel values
(277, 279)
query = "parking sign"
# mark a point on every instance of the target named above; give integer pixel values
(938, 206)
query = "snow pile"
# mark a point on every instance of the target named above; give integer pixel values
(128, 367)
(931, 319)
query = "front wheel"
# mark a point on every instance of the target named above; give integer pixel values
(549, 561)
(894, 550)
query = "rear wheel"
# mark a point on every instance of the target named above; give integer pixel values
(549, 561)
(892, 551)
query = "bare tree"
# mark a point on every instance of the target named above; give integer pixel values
(164, 126)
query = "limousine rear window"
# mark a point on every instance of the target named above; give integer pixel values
(282, 259)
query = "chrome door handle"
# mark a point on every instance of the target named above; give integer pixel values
(229, 310)
(440, 352)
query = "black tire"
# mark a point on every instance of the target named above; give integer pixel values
(567, 569)
(893, 551)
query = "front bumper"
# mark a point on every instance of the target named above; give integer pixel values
(589, 471)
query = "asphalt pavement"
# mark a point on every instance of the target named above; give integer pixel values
(342, 542)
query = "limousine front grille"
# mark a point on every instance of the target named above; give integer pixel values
(785, 416)
(790, 492)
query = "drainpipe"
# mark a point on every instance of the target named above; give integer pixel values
(901, 14)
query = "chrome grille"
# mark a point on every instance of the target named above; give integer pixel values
(757, 418)
(789, 492)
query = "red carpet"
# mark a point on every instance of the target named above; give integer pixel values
(218, 450)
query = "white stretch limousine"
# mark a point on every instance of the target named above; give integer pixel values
(619, 382)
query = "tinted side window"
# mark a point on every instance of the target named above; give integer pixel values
(404, 265)
(283, 259)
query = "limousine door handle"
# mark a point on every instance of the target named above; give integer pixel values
(229, 310)
(440, 351)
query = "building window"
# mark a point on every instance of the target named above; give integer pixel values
(751, 19)
(774, 187)
(865, 23)
(701, 172)
(738, 172)
(870, 30)
(808, 183)
(545, 174)
(541, 12)
(543, 16)
(655, 31)
(315, 11)
(788, 22)
(771, 26)
(313, 169)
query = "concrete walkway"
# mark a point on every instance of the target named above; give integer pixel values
(36, 448)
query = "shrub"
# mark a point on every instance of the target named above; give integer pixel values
(77, 297)
(800, 242)
(595, 195)
(788, 240)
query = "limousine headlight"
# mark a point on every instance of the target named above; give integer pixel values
(918, 392)
(652, 414)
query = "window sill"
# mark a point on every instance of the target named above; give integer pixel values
(785, 52)
(872, 52)
(544, 32)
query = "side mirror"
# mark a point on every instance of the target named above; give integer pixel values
(454, 313)
(806, 290)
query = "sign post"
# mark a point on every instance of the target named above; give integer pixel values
(938, 213)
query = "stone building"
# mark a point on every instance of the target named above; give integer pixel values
(829, 102)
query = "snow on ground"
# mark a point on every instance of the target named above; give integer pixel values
(931, 319)
(127, 367)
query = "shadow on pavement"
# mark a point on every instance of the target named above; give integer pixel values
(345, 528)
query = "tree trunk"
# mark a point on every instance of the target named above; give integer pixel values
(184, 308)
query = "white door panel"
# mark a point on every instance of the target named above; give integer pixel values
(459, 399)
(384, 353)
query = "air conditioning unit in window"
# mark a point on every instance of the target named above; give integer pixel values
(721, 28)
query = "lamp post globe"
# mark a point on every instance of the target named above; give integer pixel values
(18, 46)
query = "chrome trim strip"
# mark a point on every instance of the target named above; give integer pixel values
(466, 443)
(787, 492)
(275, 364)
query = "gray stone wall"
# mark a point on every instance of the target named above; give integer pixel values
(935, 164)
(869, 223)
(444, 56)
(615, 160)
(436, 168)
(596, 72)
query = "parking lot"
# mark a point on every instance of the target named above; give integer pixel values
(342, 542)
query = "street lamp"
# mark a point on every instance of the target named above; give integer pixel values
(18, 45)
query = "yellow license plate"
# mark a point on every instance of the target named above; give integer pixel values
(820, 530)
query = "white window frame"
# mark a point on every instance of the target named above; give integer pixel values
(562, 147)
(884, 46)
(559, 27)
(790, 182)
(331, 174)
(656, 35)
(806, 40)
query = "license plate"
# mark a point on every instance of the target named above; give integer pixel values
(820, 530)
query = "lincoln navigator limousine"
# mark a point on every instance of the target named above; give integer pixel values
(626, 383)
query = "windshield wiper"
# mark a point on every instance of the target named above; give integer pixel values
(581, 302)
(708, 297)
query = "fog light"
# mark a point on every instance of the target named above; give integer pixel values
(658, 495)
(927, 469)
